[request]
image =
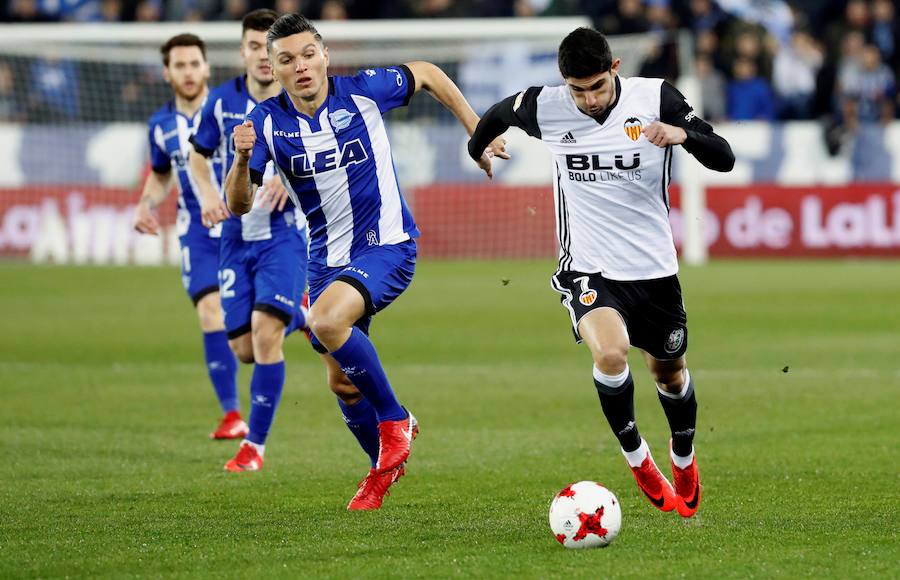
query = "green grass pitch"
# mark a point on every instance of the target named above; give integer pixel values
(108, 472)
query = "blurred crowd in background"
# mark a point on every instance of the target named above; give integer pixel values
(832, 60)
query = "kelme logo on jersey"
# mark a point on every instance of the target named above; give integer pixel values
(675, 340)
(633, 128)
(588, 297)
(351, 153)
(340, 119)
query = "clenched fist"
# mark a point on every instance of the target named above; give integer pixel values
(244, 139)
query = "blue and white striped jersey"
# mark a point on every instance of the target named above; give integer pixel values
(226, 108)
(170, 133)
(337, 164)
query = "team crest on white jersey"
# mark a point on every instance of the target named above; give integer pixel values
(633, 128)
(340, 119)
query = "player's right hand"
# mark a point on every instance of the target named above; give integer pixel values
(484, 162)
(144, 220)
(244, 139)
(213, 211)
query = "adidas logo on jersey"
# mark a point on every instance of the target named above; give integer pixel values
(568, 138)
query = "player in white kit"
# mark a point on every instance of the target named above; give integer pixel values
(611, 139)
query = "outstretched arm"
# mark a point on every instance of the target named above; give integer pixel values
(514, 111)
(436, 82)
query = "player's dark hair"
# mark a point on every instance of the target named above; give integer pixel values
(185, 39)
(289, 25)
(259, 20)
(584, 53)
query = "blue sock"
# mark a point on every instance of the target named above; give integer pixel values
(298, 321)
(265, 393)
(360, 363)
(222, 368)
(363, 423)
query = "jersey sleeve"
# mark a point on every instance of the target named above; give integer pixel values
(519, 110)
(710, 149)
(206, 139)
(390, 87)
(159, 160)
(260, 155)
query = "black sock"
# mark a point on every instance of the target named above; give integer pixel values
(682, 416)
(618, 406)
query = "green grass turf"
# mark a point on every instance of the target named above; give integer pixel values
(108, 472)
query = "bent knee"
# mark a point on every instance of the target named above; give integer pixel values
(612, 360)
(209, 313)
(670, 380)
(325, 326)
(242, 348)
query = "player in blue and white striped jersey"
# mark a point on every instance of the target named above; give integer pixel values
(329, 144)
(186, 71)
(263, 255)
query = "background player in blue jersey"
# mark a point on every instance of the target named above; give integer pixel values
(187, 72)
(262, 260)
(330, 146)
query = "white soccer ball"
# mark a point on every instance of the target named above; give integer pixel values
(585, 515)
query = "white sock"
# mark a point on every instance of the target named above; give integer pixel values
(636, 457)
(261, 449)
(684, 392)
(682, 462)
(611, 381)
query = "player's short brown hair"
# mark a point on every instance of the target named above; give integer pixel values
(259, 20)
(186, 39)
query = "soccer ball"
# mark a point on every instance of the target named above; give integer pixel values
(585, 515)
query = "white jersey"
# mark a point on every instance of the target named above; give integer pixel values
(610, 183)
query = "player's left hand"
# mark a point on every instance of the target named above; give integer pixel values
(274, 195)
(498, 148)
(663, 134)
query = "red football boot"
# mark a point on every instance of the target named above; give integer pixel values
(232, 426)
(394, 442)
(687, 487)
(654, 484)
(247, 459)
(374, 487)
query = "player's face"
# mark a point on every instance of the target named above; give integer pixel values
(301, 65)
(187, 72)
(256, 57)
(595, 93)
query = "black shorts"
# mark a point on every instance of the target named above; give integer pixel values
(653, 310)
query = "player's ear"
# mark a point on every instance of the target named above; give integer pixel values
(614, 69)
(325, 55)
(166, 76)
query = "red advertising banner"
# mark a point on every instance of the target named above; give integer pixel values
(815, 221)
(72, 224)
(471, 221)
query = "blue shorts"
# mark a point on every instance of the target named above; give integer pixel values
(199, 265)
(266, 275)
(380, 274)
